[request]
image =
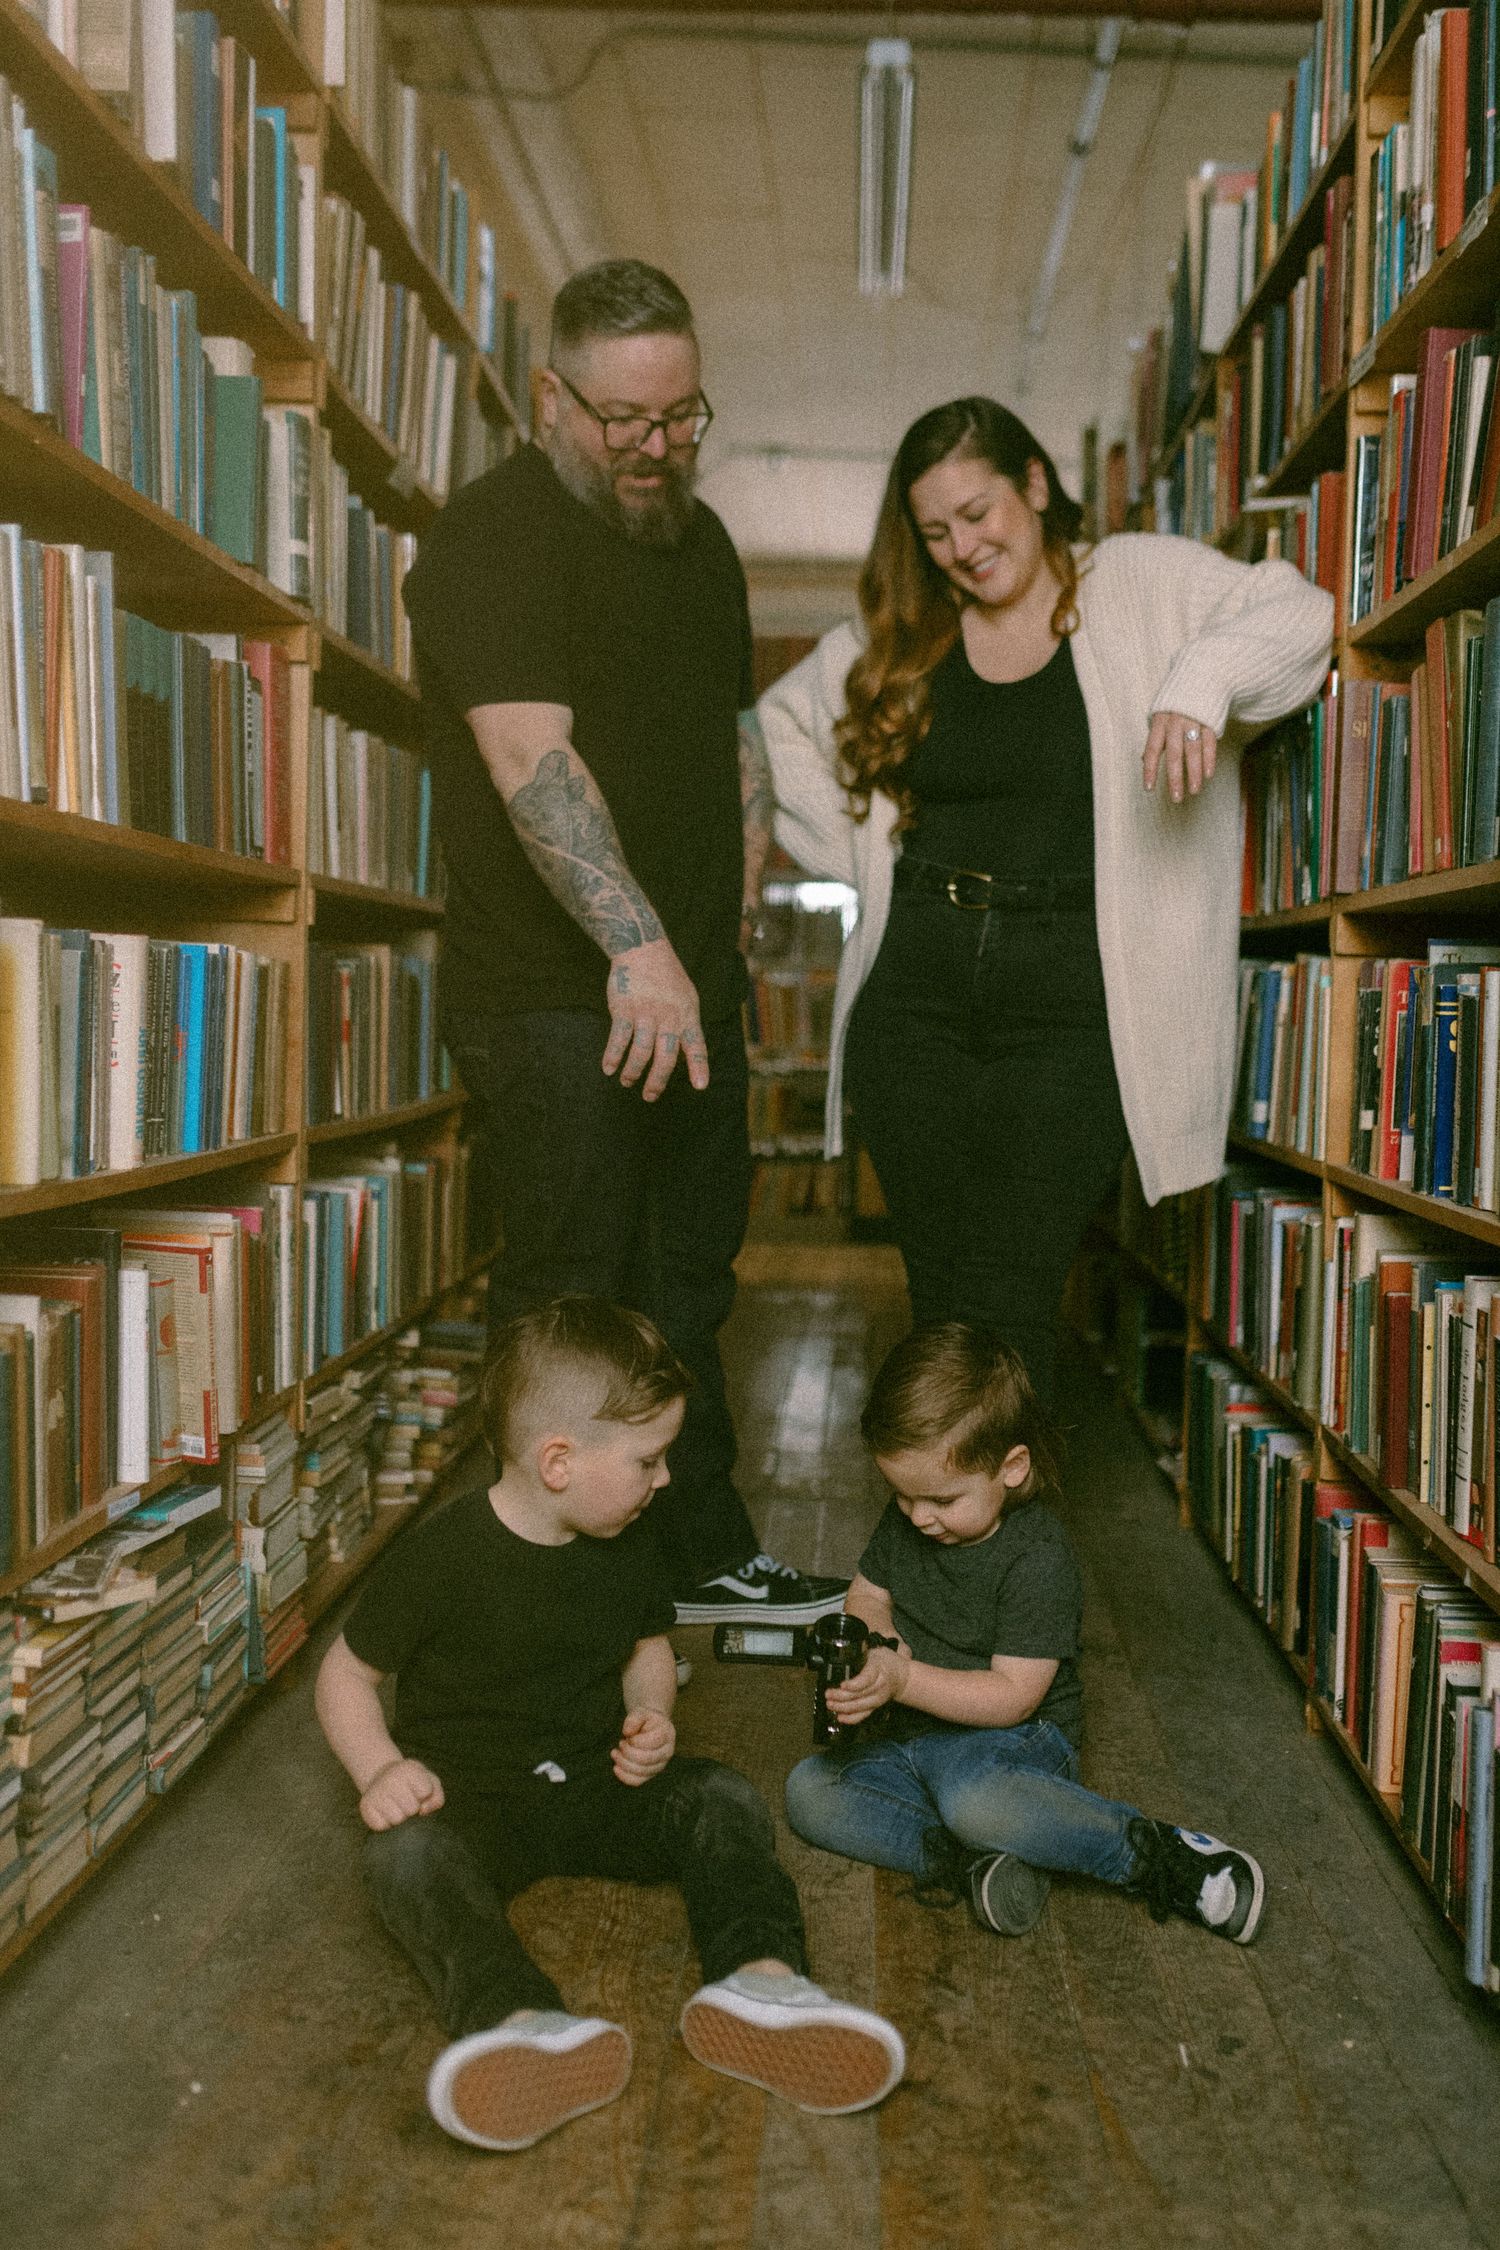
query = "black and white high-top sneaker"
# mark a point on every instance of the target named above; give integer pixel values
(1181, 1871)
(764, 1592)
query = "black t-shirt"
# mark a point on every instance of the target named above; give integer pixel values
(1002, 777)
(506, 1653)
(522, 594)
(1017, 1593)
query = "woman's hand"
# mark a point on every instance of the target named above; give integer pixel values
(882, 1681)
(1184, 748)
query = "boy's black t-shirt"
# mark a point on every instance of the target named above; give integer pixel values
(523, 594)
(1017, 1593)
(505, 1653)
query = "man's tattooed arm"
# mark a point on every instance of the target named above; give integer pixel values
(758, 808)
(567, 833)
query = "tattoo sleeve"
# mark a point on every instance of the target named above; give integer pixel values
(757, 802)
(567, 833)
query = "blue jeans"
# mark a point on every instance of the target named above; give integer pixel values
(600, 1193)
(996, 1789)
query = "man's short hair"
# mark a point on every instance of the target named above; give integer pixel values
(617, 297)
(576, 1360)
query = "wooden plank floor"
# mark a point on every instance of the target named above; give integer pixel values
(217, 2048)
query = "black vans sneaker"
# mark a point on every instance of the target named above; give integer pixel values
(1181, 1871)
(1006, 1894)
(764, 1592)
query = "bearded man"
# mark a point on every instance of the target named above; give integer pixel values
(601, 791)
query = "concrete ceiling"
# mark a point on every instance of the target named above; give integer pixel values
(724, 148)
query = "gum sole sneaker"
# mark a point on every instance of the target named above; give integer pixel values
(506, 2088)
(1007, 1895)
(786, 2035)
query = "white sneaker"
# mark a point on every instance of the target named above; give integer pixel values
(785, 2034)
(508, 2087)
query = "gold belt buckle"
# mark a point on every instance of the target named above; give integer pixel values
(965, 905)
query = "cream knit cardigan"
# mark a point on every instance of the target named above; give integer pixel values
(1164, 625)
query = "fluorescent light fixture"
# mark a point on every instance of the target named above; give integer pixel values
(887, 98)
(1106, 48)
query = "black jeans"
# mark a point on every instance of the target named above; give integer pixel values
(441, 1883)
(982, 1082)
(600, 1192)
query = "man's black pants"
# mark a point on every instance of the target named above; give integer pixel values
(601, 1193)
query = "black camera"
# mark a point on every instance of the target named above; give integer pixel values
(834, 1649)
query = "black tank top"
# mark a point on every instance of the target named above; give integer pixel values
(1002, 777)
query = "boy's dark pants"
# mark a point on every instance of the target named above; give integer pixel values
(441, 1882)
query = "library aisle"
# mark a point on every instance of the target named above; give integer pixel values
(217, 2047)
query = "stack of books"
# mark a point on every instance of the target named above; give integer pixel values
(379, 345)
(56, 1747)
(429, 1406)
(371, 1028)
(221, 1609)
(335, 1468)
(12, 1867)
(269, 1543)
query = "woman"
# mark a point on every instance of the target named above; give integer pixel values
(1043, 970)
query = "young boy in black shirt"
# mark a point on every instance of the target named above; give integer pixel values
(969, 1781)
(526, 1626)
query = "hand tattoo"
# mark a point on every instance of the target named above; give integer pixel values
(567, 833)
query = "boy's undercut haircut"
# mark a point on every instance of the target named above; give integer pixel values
(954, 1384)
(578, 1357)
(618, 297)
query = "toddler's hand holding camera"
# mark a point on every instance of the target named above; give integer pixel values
(399, 1792)
(883, 1680)
(645, 1747)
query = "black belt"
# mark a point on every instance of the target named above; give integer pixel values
(994, 894)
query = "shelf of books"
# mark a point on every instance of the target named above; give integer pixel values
(242, 361)
(1340, 1377)
(793, 966)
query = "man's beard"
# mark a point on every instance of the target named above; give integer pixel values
(659, 521)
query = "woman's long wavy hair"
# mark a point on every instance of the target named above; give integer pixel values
(910, 609)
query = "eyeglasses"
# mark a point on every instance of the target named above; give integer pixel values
(627, 433)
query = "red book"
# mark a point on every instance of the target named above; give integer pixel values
(270, 666)
(1426, 485)
(1452, 124)
(1437, 798)
(1387, 1150)
(1416, 767)
(73, 312)
(1396, 439)
(1370, 1530)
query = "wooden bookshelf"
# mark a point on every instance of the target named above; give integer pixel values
(1245, 1144)
(73, 871)
(384, 1121)
(329, 1589)
(1461, 288)
(331, 893)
